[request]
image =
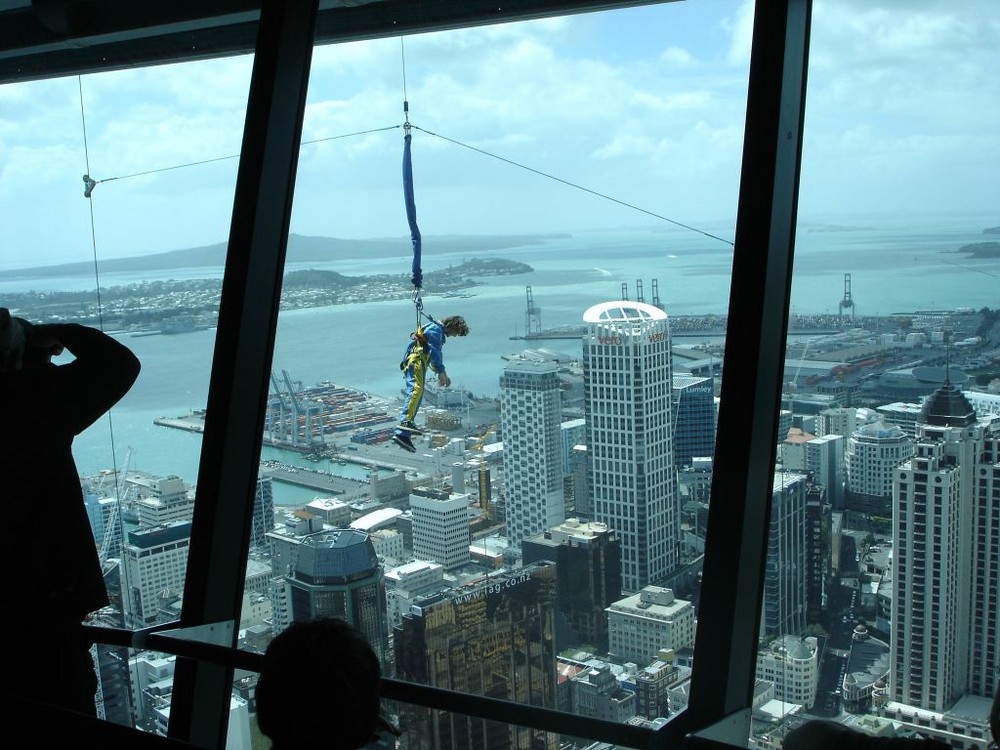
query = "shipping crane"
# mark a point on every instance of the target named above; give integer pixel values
(305, 413)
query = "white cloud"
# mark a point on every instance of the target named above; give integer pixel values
(903, 108)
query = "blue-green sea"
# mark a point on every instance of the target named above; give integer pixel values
(895, 266)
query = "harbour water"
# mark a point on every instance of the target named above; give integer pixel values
(894, 267)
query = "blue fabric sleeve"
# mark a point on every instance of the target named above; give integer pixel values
(434, 333)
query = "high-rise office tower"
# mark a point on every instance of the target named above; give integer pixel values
(818, 557)
(627, 389)
(874, 451)
(530, 416)
(263, 514)
(441, 527)
(494, 638)
(946, 540)
(693, 417)
(337, 574)
(824, 457)
(154, 563)
(588, 565)
(785, 570)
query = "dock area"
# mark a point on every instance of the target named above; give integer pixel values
(321, 481)
(193, 422)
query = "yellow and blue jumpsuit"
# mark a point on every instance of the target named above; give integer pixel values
(423, 351)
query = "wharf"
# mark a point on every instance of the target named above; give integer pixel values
(314, 480)
(193, 422)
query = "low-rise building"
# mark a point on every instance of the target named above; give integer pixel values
(639, 626)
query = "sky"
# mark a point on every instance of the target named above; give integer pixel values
(516, 127)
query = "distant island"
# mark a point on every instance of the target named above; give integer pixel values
(991, 230)
(302, 249)
(981, 249)
(179, 306)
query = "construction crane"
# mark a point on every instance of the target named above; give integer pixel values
(481, 441)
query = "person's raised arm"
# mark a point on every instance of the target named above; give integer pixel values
(102, 371)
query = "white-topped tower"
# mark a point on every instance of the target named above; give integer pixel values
(627, 388)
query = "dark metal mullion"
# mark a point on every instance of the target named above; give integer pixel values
(237, 398)
(736, 544)
(173, 34)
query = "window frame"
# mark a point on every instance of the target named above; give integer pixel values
(282, 38)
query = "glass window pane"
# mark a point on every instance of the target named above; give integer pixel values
(865, 621)
(542, 541)
(140, 256)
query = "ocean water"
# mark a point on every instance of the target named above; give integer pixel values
(894, 267)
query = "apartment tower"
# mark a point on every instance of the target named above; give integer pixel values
(627, 401)
(946, 539)
(530, 417)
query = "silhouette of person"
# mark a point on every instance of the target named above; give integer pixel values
(319, 688)
(820, 734)
(52, 579)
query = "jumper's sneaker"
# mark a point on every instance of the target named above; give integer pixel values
(404, 442)
(408, 426)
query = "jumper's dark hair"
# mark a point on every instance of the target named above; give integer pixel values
(457, 325)
(319, 687)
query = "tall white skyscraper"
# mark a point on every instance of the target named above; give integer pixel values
(946, 538)
(627, 386)
(530, 417)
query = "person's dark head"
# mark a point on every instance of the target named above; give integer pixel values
(319, 687)
(455, 325)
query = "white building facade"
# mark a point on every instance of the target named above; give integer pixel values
(791, 664)
(825, 459)
(627, 401)
(873, 452)
(644, 624)
(531, 417)
(154, 562)
(441, 527)
(946, 537)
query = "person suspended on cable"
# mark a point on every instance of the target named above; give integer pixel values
(424, 351)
